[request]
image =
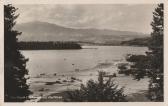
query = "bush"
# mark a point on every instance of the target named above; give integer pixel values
(96, 91)
(123, 69)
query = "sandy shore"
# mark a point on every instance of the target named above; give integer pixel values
(50, 87)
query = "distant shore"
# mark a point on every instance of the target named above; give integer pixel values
(59, 45)
(70, 45)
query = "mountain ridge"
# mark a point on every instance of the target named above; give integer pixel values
(44, 31)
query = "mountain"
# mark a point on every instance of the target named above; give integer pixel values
(43, 31)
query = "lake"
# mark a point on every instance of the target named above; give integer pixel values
(67, 61)
(51, 66)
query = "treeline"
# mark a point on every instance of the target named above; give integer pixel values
(133, 42)
(137, 42)
(58, 45)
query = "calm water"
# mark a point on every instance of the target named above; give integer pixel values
(66, 61)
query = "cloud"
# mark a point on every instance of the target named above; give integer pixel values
(110, 16)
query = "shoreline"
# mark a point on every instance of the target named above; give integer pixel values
(133, 94)
(46, 84)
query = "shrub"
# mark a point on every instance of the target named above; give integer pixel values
(123, 69)
(96, 91)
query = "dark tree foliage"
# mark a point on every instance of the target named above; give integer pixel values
(93, 91)
(156, 55)
(16, 89)
(136, 42)
(123, 69)
(151, 64)
(59, 45)
(139, 67)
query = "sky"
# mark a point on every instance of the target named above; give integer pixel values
(125, 17)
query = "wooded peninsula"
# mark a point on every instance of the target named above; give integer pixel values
(58, 45)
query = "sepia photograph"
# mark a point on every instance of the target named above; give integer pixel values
(84, 52)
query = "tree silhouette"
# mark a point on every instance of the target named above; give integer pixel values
(96, 91)
(16, 89)
(151, 64)
(156, 55)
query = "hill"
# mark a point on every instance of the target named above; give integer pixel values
(137, 42)
(43, 31)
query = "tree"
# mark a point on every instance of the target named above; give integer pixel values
(156, 55)
(16, 89)
(151, 64)
(101, 91)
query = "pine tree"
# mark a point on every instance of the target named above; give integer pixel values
(16, 89)
(156, 55)
(151, 64)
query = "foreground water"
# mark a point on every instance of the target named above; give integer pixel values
(49, 66)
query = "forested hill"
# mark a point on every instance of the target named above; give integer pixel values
(48, 45)
(136, 42)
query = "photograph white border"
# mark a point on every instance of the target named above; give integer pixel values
(3, 2)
